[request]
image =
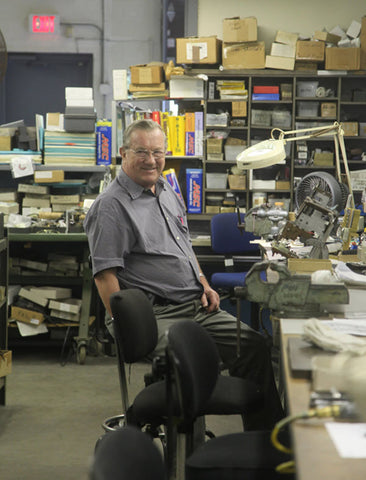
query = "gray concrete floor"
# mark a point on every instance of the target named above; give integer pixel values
(53, 413)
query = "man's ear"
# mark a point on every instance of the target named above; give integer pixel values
(122, 151)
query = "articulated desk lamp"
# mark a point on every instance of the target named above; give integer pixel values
(272, 151)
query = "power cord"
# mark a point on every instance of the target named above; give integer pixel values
(339, 411)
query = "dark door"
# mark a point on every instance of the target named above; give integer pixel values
(35, 83)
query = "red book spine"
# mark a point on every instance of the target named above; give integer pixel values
(265, 89)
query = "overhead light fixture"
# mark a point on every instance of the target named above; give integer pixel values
(272, 151)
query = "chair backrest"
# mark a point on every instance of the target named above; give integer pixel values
(127, 454)
(227, 238)
(195, 359)
(135, 327)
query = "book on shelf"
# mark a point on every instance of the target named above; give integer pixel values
(177, 134)
(198, 147)
(190, 133)
(164, 122)
(155, 115)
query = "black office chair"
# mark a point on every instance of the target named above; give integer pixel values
(136, 337)
(127, 454)
(193, 365)
(228, 240)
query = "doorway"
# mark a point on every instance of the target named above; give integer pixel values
(35, 83)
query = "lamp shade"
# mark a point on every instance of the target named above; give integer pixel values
(262, 154)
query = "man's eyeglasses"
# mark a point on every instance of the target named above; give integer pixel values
(143, 154)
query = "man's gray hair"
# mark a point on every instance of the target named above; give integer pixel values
(144, 124)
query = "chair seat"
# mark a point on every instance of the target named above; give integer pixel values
(231, 396)
(236, 456)
(228, 280)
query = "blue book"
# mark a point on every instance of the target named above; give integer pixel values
(265, 96)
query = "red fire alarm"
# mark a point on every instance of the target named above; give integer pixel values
(39, 23)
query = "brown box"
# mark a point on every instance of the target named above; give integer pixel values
(288, 38)
(238, 29)
(323, 159)
(198, 50)
(27, 316)
(5, 143)
(326, 37)
(328, 109)
(237, 182)
(214, 145)
(350, 129)
(310, 50)
(238, 109)
(342, 58)
(49, 176)
(282, 185)
(249, 55)
(308, 265)
(5, 362)
(146, 74)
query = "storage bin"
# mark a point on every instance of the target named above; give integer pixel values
(261, 117)
(281, 118)
(217, 119)
(306, 88)
(216, 180)
(80, 119)
(308, 109)
(214, 145)
(232, 151)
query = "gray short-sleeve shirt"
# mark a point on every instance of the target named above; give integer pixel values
(144, 236)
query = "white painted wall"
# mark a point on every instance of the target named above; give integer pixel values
(132, 30)
(297, 16)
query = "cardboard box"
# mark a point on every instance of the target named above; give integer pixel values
(308, 265)
(328, 109)
(282, 185)
(237, 182)
(323, 159)
(5, 362)
(287, 38)
(214, 145)
(49, 176)
(70, 305)
(146, 74)
(5, 143)
(205, 50)
(283, 50)
(350, 129)
(186, 87)
(310, 50)
(27, 316)
(238, 29)
(53, 292)
(250, 55)
(326, 37)
(280, 63)
(238, 109)
(33, 296)
(342, 58)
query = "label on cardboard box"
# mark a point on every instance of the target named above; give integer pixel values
(194, 190)
(104, 142)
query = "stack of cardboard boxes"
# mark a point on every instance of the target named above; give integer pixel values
(241, 48)
(283, 51)
(147, 80)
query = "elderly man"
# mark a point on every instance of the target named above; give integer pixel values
(139, 238)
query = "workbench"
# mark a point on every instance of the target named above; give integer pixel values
(70, 243)
(315, 454)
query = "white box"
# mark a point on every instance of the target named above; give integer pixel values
(287, 38)
(78, 92)
(216, 180)
(354, 29)
(282, 50)
(186, 87)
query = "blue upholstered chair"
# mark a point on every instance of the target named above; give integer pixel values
(228, 240)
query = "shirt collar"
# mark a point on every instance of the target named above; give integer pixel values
(134, 189)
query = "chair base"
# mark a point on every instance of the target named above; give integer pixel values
(113, 423)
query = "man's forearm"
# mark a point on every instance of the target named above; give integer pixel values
(107, 283)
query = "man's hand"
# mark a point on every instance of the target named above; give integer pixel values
(210, 299)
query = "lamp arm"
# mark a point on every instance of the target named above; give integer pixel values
(345, 162)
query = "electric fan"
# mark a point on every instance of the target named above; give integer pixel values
(336, 191)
